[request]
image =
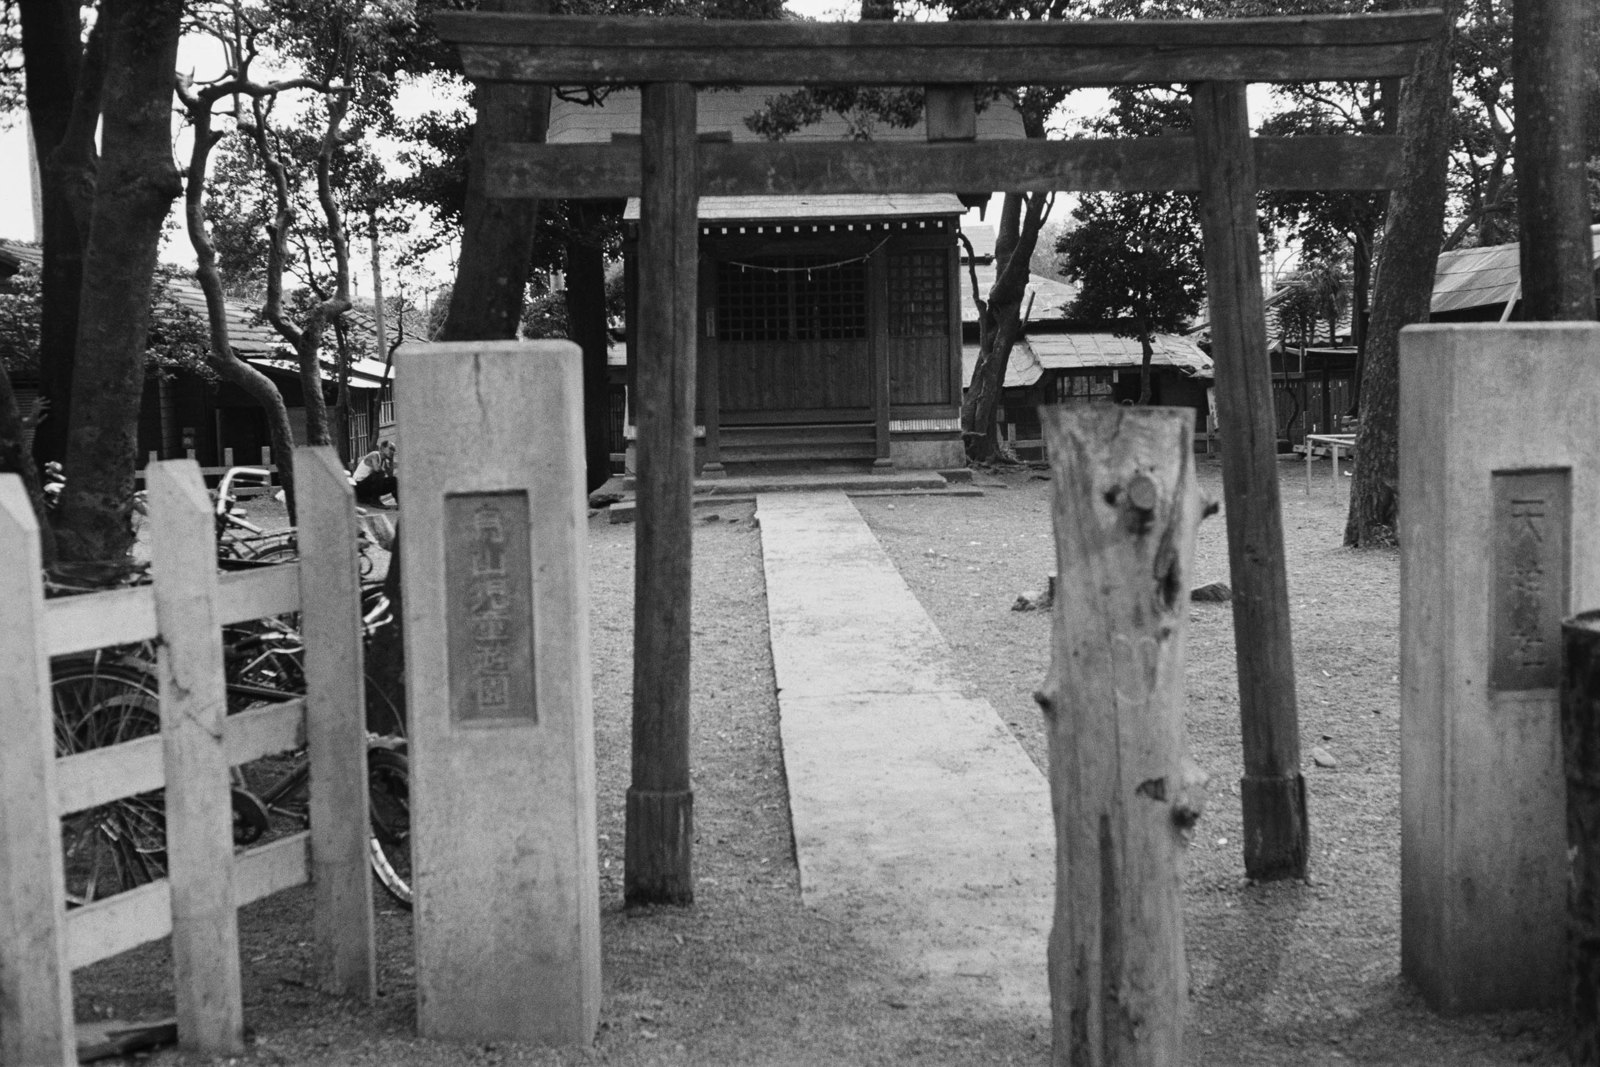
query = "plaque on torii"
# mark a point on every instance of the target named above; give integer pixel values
(669, 169)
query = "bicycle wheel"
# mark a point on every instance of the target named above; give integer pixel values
(389, 800)
(277, 552)
(123, 844)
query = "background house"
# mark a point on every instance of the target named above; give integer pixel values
(188, 413)
(809, 306)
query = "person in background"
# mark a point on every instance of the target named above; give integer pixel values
(374, 477)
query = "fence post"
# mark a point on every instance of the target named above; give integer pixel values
(336, 734)
(1123, 790)
(36, 1024)
(205, 923)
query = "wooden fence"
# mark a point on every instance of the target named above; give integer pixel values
(212, 474)
(41, 942)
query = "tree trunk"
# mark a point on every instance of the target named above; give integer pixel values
(1548, 60)
(1403, 286)
(1148, 353)
(1000, 323)
(308, 352)
(15, 459)
(586, 319)
(1361, 285)
(137, 185)
(219, 352)
(61, 75)
(497, 235)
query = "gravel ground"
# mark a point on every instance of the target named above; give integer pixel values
(1303, 973)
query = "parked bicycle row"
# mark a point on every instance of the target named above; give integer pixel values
(110, 696)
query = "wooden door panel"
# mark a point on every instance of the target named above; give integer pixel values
(798, 375)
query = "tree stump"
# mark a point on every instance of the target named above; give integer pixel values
(1124, 793)
(1580, 735)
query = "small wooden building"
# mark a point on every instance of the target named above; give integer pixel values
(1064, 362)
(829, 326)
(1484, 284)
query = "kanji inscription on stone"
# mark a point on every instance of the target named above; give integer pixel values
(489, 607)
(1532, 555)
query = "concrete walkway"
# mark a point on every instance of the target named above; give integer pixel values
(918, 819)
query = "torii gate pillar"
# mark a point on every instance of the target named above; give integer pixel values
(1272, 791)
(659, 827)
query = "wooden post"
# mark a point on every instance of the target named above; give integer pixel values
(1272, 791)
(660, 804)
(710, 388)
(36, 1023)
(878, 348)
(205, 922)
(336, 734)
(1580, 734)
(1123, 790)
(1549, 58)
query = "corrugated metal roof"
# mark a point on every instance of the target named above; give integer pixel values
(1037, 353)
(1476, 277)
(1082, 351)
(364, 373)
(1050, 295)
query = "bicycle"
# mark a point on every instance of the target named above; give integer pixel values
(241, 543)
(111, 696)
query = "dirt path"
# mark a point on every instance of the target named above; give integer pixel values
(1303, 974)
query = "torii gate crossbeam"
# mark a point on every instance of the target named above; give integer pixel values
(670, 168)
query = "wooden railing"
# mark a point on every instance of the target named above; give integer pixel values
(182, 612)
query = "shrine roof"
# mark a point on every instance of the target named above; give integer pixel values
(723, 112)
(834, 206)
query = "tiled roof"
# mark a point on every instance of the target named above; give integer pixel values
(255, 341)
(1476, 277)
(248, 337)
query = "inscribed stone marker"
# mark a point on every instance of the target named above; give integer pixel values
(1499, 465)
(488, 579)
(1532, 526)
(506, 878)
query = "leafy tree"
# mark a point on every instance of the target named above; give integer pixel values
(1136, 259)
(1482, 183)
(1318, 295)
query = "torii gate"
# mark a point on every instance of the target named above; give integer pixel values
(669, 169)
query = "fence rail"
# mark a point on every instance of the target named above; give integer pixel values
(41, 941)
